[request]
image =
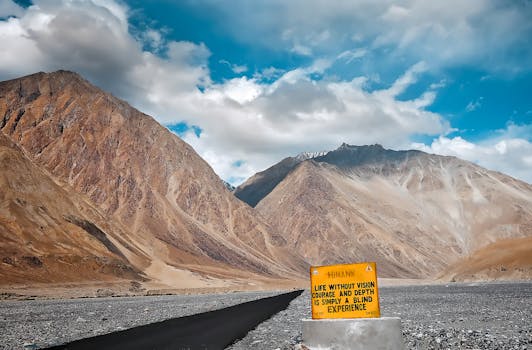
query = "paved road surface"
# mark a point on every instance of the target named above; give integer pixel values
(210, 330)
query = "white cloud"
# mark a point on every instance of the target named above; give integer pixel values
(438, 85)
(241, 90)
(269, 73)
(301, 49)
(303, 45)
(506, 152)
(154, 39)
(474, 105)
(20, 54)
(238, 69)
(407, 79)
(351, 55)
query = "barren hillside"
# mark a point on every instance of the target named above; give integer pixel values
(51, 234)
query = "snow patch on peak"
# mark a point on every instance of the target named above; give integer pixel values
(310, 155)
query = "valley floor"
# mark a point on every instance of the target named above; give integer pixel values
(34, 324)
(444, 316)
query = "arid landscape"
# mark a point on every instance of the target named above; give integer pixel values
(100, 199)
(170, 168)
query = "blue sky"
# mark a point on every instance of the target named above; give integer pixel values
(248, 83)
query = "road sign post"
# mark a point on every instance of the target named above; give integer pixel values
(344, 291)
(346, 312)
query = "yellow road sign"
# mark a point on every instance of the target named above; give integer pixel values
(344, 291)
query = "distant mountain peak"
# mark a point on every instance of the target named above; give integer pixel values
(346, 157)
(349, 156)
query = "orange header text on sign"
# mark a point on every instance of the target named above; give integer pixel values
(344, 291)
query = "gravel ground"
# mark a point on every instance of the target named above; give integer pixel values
(454, 316)
(34, 324)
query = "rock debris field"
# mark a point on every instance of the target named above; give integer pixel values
(453, 316)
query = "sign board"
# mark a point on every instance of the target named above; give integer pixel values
(344, 291)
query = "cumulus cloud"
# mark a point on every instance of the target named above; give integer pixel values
(92, 38)
(261, 123)
(508, 151)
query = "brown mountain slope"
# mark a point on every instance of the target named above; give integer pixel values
(413, 213)
(504, 259)
(259, 185)
(170, 201)
(48, 232)
(254, 189)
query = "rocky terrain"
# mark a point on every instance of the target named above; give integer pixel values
(414, 213)
(452, 316)
(170, 217)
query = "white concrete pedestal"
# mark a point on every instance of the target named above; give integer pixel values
(353, 334)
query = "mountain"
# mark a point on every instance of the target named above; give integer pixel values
(260, 184)
(171, 205)
(413, 213)
(47, 230)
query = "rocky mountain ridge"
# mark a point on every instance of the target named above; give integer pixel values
(414, 213)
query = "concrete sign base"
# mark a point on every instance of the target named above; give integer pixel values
(353, 334)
